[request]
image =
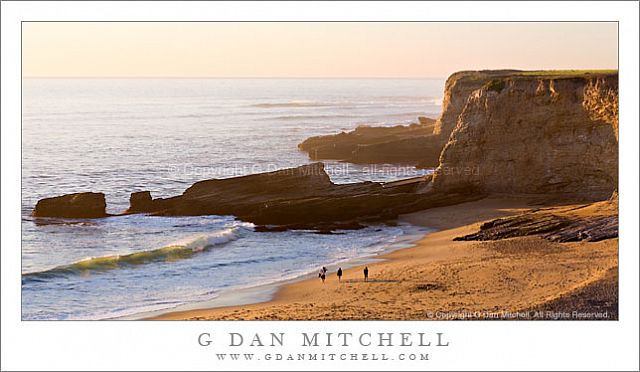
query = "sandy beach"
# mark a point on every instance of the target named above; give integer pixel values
(523, 277)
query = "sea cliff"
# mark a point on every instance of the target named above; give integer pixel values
(533, 133)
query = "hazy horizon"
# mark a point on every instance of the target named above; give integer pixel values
(242, 77)
(310, 50)
(277, 77)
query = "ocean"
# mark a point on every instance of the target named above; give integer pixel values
(118, 136)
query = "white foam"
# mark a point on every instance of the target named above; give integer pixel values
(200, 242)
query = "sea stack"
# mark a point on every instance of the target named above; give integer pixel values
(78, 205)
(140, 202)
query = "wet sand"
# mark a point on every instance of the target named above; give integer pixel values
(440, 278)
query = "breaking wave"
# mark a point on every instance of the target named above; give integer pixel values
(174, 252)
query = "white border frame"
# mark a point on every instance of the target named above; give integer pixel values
(478, 345)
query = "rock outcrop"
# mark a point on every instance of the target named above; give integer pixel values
(78, 205)
(295, 198)
(301, 198)
(589, 222)
(535, 133)
(419, 151)
(410, 145)
(140, 201)
(550, 227)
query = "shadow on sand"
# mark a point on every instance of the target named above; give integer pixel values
(369, 281)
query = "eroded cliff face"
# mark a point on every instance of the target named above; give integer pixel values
(533, 134)
(601, 101)
(457, 90)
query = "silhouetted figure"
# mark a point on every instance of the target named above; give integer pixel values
(339, 274)
(322, 274)
(366, 274)
(324, 269)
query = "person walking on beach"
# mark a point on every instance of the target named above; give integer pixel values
(322, 274)
(366, 274)
(339, 274)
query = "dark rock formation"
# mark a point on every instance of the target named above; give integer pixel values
(322, 228)
(419, 151)
(303, 198)
(78, 205)
(296, 198)
(515, 226)
(423, 120)
(587, 229)
(140, 201)
(554, 227)
(412, 145)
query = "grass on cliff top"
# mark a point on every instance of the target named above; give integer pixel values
(566, 73)
(549, 74)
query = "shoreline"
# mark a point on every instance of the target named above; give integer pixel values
(261, 293)
(398, 278)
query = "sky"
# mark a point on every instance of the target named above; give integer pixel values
(315, 50)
